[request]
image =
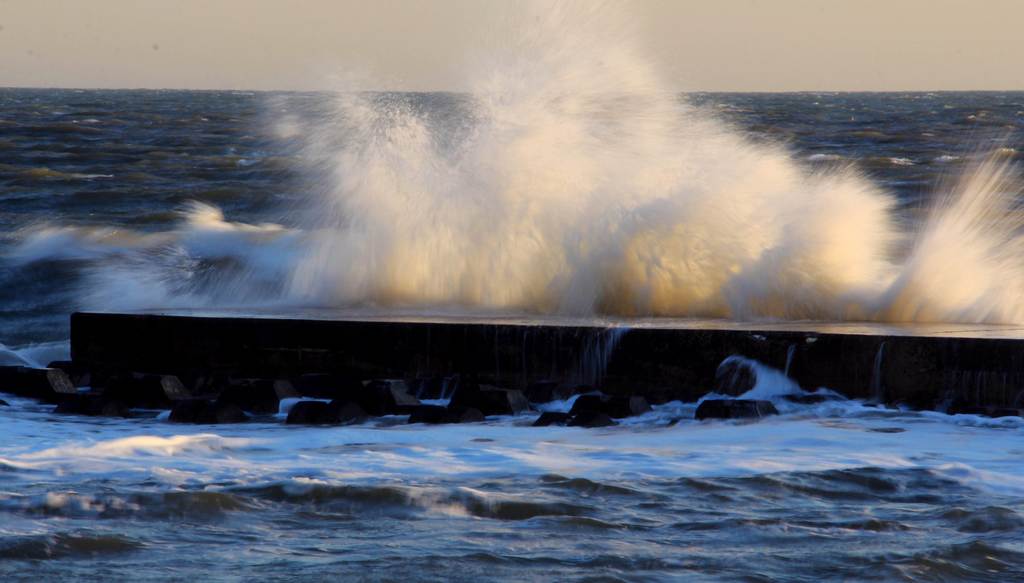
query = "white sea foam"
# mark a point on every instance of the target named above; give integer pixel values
(145, 445)
(837, 435)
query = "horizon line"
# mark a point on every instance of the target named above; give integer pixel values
(457, 91)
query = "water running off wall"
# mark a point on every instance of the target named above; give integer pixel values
(572, 179)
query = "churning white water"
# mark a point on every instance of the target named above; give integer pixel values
(575, 181)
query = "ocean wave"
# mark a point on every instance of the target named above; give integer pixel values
(458, 501)
(44, 173)
(34, 355)
(146, 445)
(824, 158)
(207, 257)
(67, 544)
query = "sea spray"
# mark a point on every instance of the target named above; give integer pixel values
(584, 185)
(570, 179)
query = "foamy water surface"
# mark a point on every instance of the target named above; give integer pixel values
(827, 492)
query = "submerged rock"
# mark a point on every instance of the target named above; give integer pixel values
(489, 400)
(734, 409)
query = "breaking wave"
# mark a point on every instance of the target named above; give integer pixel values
(572, 180)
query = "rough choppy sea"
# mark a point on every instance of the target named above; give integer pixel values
(835, 491)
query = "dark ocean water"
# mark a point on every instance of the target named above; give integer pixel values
(829, 492)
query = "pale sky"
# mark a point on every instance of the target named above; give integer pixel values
(699, 45)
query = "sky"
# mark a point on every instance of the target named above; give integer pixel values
(697, 45)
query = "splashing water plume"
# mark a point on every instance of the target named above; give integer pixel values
(584, 185)
(571, 179)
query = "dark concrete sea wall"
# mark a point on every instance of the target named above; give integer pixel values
(660, 363)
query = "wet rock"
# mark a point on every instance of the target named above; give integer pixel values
(547, 391)
(615, 406)
(436, 414)
(959, 409)
(284, 389)
(79, 376)
(429, 414)
(919, 400)
(964, 409)
(466, 415)
(591, 419)
(811, 398)
(309, 413)
(45, 384)
(92, 405)
(386, 397)
(326, 386)
(206, 412)
(428, 388)
(143, 391)
(734, 409)
(321, 413)
(347, 411)
(174, 389)
(489, 400)
(549, 418)
(541, 391)
(735, 376)
(253, 395)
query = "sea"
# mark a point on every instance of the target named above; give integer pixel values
(107, 197)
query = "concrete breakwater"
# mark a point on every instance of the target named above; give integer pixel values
(338, 367)
(977, 369)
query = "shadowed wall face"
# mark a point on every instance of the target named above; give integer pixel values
(661, 363)
(417, 44)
